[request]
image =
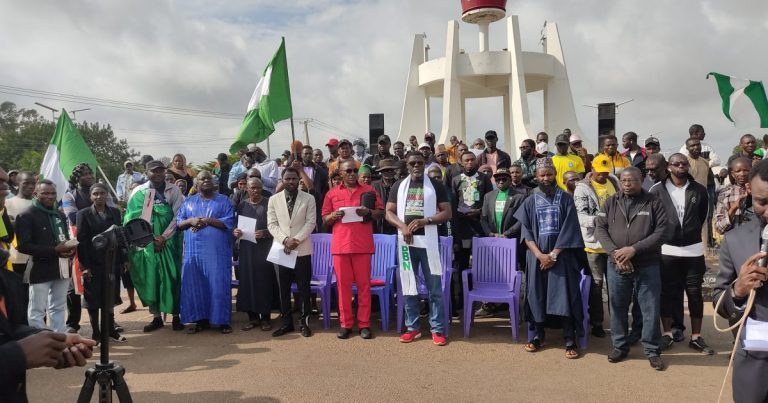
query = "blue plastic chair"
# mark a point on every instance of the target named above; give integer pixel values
(585, 283)
(494, 278)
(446, 260)
(383, 267)
(322, 274)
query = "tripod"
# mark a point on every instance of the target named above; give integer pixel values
(108, 374)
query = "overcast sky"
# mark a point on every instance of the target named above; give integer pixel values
(350, 58)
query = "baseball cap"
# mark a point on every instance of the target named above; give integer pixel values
(154, 164)
(429, 134)
(383, 139)
(601, 163)
(344, 141)
(502, 171)
(491, 135)
(562, 139)
(575, 138)
(332, 142)
(652, 140)
(251, 148)
(424, 145)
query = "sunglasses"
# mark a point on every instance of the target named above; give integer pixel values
(576, 143)
(416, 163)
(502, 179)
(679, 164)
(350, 171)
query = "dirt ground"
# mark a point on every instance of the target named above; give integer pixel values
(168, 366)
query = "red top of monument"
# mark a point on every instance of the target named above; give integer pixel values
(476, 11)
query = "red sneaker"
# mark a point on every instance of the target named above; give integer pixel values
(408, 337)
(438, 339)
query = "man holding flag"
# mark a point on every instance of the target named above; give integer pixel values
(416, 206)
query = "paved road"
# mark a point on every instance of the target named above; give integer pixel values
(167, 366)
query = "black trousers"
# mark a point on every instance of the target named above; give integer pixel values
(682, 275)
(301, 275)
(749, 377)
(74, 308)
(24, 290)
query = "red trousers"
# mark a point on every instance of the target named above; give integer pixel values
(355, 268)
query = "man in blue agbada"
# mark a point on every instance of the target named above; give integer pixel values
(207, 219)
(550, 229)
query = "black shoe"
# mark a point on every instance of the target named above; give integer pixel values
(677, 335)
(699, 345)
(666, 342)
(118, 327)
(305, 331)
(616, 356)
(176, 324)
(116, 337)
(598, 331)
(657, 363)
(366, 333)
(156, 323)
(344, 333)
(282, 330)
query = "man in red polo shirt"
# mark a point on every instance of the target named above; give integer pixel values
(352, 246)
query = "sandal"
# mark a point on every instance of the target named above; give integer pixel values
(129, 309)
(250, 326)
(266, 326)
(226, 329)
(571, 352)
(196, 328)
(533, 345)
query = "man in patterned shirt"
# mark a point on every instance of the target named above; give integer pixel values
(733, 204)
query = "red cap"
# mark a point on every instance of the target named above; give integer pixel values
(332, 142)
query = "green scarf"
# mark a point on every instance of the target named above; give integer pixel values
(57, 224)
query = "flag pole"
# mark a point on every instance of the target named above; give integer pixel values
(293, 138)
(107, 180)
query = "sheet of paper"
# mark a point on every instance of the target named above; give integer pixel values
(278, 256)
(756, 336)
(248, 226)
(350, 215)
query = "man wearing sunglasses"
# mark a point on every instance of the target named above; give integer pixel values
(352, 246)
(682, 254)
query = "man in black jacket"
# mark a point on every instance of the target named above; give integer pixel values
(23, 347)
(682, 255)
(501, 203)
(631, 227)
(41, 233)
(492, 155)
(383, 187)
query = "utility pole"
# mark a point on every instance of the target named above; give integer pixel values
(74, 113)
(306, 132)
(53, 111)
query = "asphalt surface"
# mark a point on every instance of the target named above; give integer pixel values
(168, 366)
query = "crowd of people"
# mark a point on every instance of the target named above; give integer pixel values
(635, 221)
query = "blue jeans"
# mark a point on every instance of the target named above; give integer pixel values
(51, 298)
(647, 281)
(434, 287)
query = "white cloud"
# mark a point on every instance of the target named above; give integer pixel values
(350, 58)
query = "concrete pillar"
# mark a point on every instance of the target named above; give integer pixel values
(415, 115)
(507, 134)
(559, 111)
(517, 108)
(452, 102)
(483, 26)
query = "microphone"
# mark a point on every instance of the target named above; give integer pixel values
(763, 247)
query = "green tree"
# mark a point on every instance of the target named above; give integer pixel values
(24, 138)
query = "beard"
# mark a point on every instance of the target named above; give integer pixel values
(547, 187)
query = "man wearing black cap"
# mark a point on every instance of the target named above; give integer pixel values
(499, 207)
(492, 156)
(345, 154)
(155, 270)
(384, 146)
(652, 146)
(383, 186)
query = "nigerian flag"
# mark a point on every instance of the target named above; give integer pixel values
(67, 149)
(270, 103)
(744, 101)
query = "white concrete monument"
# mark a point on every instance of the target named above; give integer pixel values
(510, 73)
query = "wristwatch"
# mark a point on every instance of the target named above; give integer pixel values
(553, 256)
(429, 220)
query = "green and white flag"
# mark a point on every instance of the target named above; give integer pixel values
(66, 150)
(270, 103)
(744, 101)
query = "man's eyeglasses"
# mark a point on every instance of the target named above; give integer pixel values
(416, 163)
(576, 143)
(679, 164)
(350, 171)
(502, 179)
(629, 180)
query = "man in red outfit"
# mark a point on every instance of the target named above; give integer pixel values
(352, 245)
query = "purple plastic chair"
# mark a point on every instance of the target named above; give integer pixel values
(446, 260)
(585, 283)
(322, 274)
(235, 282)
(383, 267)
(494, 278)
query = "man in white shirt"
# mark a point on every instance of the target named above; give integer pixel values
(707, 152)
(124, 181)
(14, 207)
(269, 170)
(682, 254)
